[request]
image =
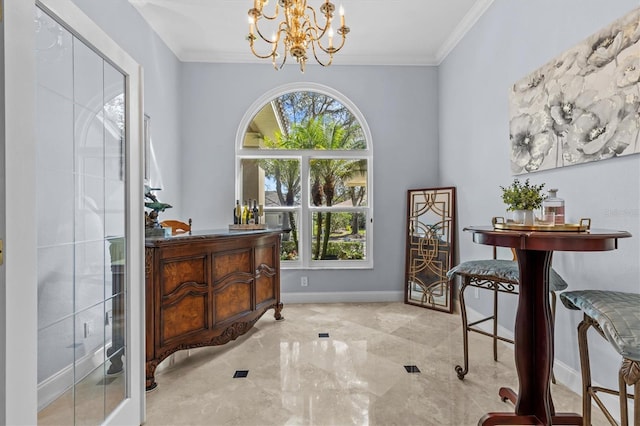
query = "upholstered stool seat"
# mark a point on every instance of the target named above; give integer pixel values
(502, 270)
(499, 276)
(616, 316)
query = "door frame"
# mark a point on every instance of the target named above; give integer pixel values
(18, 280)
(18, 275)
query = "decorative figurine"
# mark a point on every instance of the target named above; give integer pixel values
(151, 224)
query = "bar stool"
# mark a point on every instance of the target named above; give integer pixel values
(616, 317)
(498, 276)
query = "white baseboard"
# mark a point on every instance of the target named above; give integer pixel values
(55, 386)
(343, 297)
(564, 374)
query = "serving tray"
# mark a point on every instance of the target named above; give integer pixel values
(248, 227)
(584, 225)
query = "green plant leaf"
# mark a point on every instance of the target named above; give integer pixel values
(520, 196)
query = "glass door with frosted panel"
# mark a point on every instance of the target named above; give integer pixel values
(80, 141)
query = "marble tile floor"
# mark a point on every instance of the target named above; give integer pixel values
(93, 398)
(356, 376)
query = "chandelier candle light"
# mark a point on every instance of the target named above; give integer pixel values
(298, 30)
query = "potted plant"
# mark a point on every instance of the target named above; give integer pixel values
(522, 200)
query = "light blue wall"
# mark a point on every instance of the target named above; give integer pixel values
(123, 23)
(400, 106)
(512, 39)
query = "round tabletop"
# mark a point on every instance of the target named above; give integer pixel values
(591, 240)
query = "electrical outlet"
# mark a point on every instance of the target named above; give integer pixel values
(88, 329)
(476, 293)
(304, 281)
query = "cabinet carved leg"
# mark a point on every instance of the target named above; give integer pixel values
(278, 309)
(150, 382)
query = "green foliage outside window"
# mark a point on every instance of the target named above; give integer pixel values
(340, 250)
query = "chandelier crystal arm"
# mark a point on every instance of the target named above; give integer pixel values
(252, 38)
(265, 56)
(327, 22)
(274, 40)
(324, 64)
(258, 6)
(331, 49)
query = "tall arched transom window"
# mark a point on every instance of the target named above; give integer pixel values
(303, 152)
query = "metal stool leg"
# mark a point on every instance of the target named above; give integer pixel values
(553, 325)
(495, 322)
(636, 404)
(462, 371)
(590, 392)
(629, 376)
(585, 368)
(624, 413)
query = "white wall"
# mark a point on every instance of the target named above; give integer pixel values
(508, 42)
(400, 106)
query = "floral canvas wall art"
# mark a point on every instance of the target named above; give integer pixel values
(582, 106)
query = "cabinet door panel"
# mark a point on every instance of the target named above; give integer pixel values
(265, 285)
(232, 300)
(229, 263)
(265, 262)
(265, 255)
(174, 273)
(186, 315)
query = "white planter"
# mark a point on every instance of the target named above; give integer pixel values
(521, 217)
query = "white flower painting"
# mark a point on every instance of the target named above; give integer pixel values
(582, 106)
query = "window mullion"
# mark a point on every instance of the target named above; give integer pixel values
(304, 230)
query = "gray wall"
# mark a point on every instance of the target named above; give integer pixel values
(508, 42)
(400, 106)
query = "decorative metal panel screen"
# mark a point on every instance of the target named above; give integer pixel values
(430, 246)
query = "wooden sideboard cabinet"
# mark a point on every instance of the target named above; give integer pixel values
(207, 288)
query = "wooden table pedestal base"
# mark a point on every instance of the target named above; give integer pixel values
(508, 394)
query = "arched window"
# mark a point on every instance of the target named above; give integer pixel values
(303, 153)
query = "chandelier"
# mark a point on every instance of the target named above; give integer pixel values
(298, 31)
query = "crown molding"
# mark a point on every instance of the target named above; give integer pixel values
(341, 59)
(469, 20)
